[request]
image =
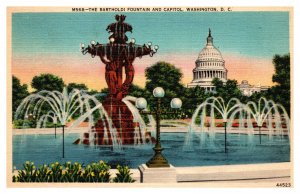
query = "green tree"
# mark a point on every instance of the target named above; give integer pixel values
(48, 82)
(72, 86)
(255, 96)
(282, 71)
(167, 76)
(218, 84)
(232, 90)
(227, 90)
(104, 90)
(281, 92)
(19, 92)
(136, 91)
(101, 96)
(164, 75)
(192, 98)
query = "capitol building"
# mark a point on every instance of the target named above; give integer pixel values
(209, 65)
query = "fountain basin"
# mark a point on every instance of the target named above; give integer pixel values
(44, 148)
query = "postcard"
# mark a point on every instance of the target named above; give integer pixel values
(150, 96)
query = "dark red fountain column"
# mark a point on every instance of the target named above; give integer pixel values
(117, 55)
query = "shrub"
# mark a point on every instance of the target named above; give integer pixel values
(43, 173)
(68, 172)
(17, 124)
(56, 173)
(72, 172)
(123, 175)
(20, 124)
(29, 173)
(96, 172)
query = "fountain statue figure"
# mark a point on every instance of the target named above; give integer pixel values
(117, 55)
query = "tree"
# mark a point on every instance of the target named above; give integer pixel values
(227, 90)
(48, 82)
(164, 75)
(219, 87)
(232, 90)
(192, 98)
(282, 71)
(136, 91)
(218, 84)
(281, 92)
(167, 76)
(72, 86)
(19, 92)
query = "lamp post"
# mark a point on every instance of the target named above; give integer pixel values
(208, 124)
(259, 130)
(225, 144)
(63, 141)
(158, 160)
(55, 123)
(55, 130)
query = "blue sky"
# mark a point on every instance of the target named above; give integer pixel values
(258, 34)
(49, 43)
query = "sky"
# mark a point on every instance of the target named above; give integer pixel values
(49, 43)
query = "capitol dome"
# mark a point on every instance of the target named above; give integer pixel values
(209, 65)
(210, 53)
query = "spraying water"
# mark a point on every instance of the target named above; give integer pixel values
(63, 107)
(266, 114)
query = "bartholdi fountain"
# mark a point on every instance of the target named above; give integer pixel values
(117, 55)
(120, 123)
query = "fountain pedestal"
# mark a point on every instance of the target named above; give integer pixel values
(125, 128)
(158, 175)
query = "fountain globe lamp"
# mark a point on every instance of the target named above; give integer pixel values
(141, 103)
(176, 103)
(111, 40)
(159, 92)
(132, 41)
(158, 160)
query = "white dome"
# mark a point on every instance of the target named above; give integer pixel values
(210, 52)
(209, 65)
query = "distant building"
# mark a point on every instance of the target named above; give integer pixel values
(209, 65)
(248, 89)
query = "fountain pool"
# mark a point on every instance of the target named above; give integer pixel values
(45, 149)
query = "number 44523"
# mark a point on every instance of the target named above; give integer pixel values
(283, 185)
